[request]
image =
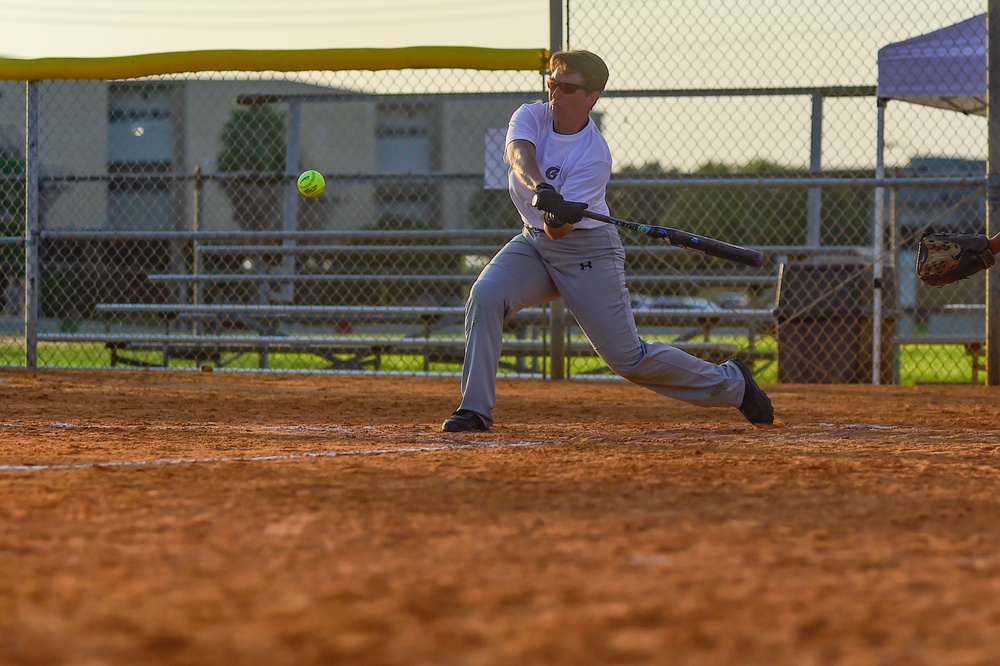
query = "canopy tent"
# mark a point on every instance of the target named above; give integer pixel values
(946, 68)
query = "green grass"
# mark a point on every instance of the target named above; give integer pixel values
(937, 364)
(918, 363)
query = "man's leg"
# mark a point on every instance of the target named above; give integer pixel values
(588, 269)
(515, 279)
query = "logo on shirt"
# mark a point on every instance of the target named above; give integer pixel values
(552, 172)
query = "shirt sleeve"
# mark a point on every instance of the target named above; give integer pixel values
(523, 125)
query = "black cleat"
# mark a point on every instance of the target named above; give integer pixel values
(756, 406)
(464, 420)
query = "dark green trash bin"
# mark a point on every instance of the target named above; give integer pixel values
(825, 324)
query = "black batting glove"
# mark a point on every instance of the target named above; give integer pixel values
(546, 197)
(558, 211)
(552, 220)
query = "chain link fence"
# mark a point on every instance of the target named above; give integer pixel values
(758, 123)
(171, 233)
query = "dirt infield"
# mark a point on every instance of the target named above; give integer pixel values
(213, 518)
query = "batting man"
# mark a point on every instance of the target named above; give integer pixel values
(560, 165)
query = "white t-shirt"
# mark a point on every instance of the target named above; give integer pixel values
(577, 165)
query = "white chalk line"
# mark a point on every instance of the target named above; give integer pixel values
(858, 426)
(266, 458)
(195, 427)
(28, 467)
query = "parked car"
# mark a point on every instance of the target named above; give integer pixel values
(644, 302)
(732, 299)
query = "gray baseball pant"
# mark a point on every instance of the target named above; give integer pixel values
(586, 268)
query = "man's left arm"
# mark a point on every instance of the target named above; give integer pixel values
(559, 214)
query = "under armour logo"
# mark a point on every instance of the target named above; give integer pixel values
(586, 266)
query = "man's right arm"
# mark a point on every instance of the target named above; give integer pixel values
(521, 158)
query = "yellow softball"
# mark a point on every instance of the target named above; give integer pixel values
(311, 183)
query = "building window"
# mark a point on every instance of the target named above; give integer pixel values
(405, 145)
(140, 143)
(140, 127)
(407, 206)
(140, 202)
(404, 142)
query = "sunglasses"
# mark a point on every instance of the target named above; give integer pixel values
(564, 88)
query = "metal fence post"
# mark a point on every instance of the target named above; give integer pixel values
(31, 271)
(557, 310)
(196, 258)
(993, 191)
(293, 149)
(555, 25)
(878, 242)
(813, 212)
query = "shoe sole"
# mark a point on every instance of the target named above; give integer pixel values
(751, 385)
(463, 424)
(444, 429)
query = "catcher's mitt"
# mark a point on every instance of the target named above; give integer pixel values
(946, 258)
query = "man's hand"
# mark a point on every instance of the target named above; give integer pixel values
(558, 211)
